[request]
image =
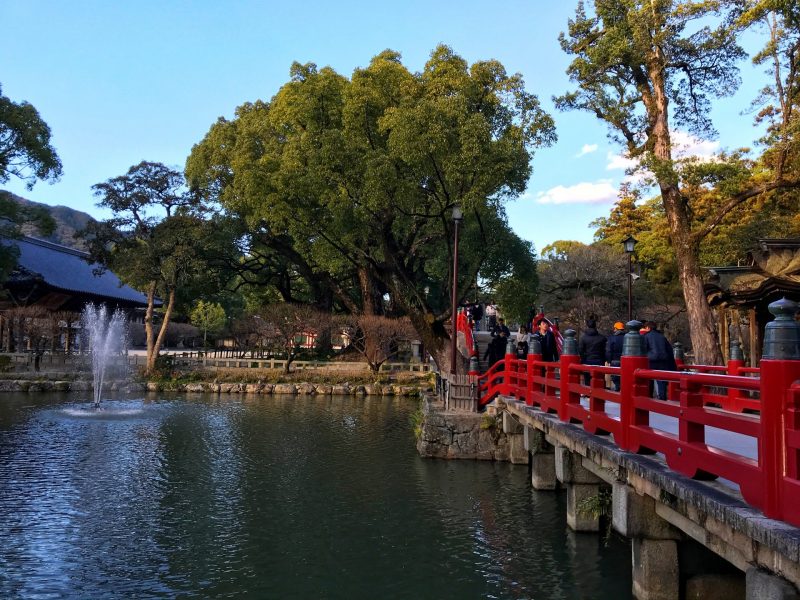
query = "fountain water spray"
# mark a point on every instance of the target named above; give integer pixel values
(106, 336)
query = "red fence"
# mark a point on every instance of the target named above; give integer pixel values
(733, 422)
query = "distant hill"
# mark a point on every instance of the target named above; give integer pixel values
(68, 222)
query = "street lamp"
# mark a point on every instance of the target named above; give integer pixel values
(457, 217)
(629, 243)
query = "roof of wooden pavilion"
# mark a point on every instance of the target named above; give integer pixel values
(59, 278)
(771, 271)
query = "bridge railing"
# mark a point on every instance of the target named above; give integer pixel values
(735, 423)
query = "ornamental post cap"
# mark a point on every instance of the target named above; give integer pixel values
(782, 336)
(633, 342)
(570, 347)
(736, 350)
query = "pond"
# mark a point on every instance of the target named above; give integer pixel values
(272, 497)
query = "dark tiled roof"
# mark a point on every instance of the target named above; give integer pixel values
(68, 269)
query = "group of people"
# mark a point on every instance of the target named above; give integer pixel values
(500, 335)
(477, 311)
(596, 349)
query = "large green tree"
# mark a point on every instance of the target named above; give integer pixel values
(647, 68)
(25, 149)
(353, 181)
(25, 153)
(154, 241)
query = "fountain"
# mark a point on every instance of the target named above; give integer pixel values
(106, 337)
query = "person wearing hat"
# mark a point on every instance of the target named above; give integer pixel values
(614, 350)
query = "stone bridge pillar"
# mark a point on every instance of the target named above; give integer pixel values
(516, 443)
(543, 459)
(654, 544)
(581, 484)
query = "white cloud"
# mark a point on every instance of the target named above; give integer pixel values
(619, 162)
(685, 145)
(599, 192)
(587, 149)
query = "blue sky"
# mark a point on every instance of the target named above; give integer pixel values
(121, 82)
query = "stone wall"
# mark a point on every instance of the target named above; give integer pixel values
(462, 435)
(306, 389)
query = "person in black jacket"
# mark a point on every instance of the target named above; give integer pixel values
(660, 355)
(614, 345)
(592, 347)
(496, 350)
(547, 340)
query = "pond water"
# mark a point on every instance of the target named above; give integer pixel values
(272, 497)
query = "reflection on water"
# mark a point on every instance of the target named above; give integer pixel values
(271, 497)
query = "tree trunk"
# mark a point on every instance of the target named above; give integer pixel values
(435, 339)
(703, 334)
(153, 347)
(148, 327)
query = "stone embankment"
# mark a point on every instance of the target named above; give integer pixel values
(58, 385)
(457, 435)
(305, 389)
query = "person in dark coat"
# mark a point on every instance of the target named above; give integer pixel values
(614, 345)
(660, 355)
(477, 315)
(592, 347)
(501, 327)
(547, 341)
(496, 350)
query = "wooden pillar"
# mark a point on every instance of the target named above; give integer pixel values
(722, 316)
(755, 342)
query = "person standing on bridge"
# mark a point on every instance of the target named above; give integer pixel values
(496, 350)
(660, 355)
(547, 341)
(592, 348)
(491, 317)
(523, 342)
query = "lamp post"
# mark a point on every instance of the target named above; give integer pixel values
(629, 243)
(457, 216)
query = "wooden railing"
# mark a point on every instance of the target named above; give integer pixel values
(737, 423)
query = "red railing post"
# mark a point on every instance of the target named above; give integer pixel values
(735, 363)
(534, 354)
(633, 358)
(508, 369)
(569, 356)
(673, 389)
(780, 368)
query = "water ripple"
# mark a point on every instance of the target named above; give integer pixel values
(273, 497)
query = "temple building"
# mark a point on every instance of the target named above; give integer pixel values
(53, 283)
(742, 294)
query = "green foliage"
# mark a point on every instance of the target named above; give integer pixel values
(598, 505)
(208, 316)
(490, 423)
(417, 421)
(25, 150)
(157, 239)
(347, 185)
(26, 153)
(619, 50)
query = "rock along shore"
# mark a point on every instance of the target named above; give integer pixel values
(305, 389)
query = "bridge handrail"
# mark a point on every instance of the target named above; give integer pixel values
(759, 408)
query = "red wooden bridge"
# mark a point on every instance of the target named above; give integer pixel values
(731, 422)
